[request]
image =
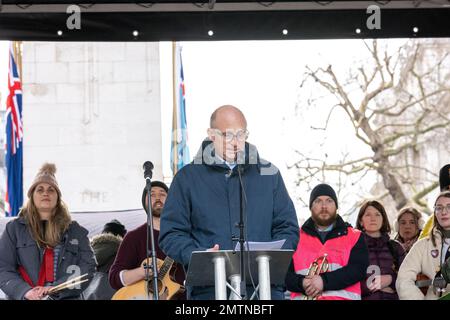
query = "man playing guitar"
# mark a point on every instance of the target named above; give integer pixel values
(128, 267)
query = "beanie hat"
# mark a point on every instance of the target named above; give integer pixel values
(322, 189)
(45, 175)
(115, 227)
(444, 177)
(155, 183)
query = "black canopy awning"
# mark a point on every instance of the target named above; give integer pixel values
(122, 20)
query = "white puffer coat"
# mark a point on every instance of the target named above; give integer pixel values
(422, 258)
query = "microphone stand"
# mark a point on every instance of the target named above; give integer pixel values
(150, 234)
(243, 285)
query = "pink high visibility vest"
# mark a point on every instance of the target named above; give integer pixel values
(338, 253)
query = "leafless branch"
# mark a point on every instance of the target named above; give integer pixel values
(401, 99)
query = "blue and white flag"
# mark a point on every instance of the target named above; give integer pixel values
(179, 155)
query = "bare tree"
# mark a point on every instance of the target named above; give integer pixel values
(397, 103)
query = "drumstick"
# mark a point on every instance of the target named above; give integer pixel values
(66, 286)
(68, 282)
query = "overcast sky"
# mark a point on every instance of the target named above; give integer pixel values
(262, 78)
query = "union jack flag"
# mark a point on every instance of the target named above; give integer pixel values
(14, 137)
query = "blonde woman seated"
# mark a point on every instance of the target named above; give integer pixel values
(427, 256)
(43, 247)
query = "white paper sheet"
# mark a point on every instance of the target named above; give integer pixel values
(261, 246)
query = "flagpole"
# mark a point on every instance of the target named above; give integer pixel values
(174, 150)
(17, 51)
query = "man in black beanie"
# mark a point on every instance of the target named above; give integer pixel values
(323, 190)
(332, 243)
(127, 268)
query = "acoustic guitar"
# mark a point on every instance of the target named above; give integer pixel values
(166, 287)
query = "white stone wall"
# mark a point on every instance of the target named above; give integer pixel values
(94, 110)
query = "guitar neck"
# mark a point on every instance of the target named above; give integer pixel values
(424, 283)
(167, 264)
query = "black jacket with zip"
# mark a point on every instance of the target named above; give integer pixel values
(353, 272)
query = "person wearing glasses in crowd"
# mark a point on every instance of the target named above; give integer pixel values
(429, 256)
(444, 184)
(202, 209)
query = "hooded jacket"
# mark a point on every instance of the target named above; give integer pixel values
(203, 205)
(105, 248)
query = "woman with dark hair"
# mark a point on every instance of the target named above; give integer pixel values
(408, 225)
(385, 255)
(43, 247)
(428, 255)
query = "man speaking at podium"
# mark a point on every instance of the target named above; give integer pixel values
(202, 210)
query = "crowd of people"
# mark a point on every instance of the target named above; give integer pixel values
(43, 250)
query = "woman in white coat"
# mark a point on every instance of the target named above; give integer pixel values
(427, 256)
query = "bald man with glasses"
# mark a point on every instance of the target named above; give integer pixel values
(202, 210)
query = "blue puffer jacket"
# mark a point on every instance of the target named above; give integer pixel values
(202, 208)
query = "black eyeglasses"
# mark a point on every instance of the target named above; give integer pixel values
(240, 135)
(440, 209)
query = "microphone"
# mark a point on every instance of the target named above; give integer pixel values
(148, 173)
